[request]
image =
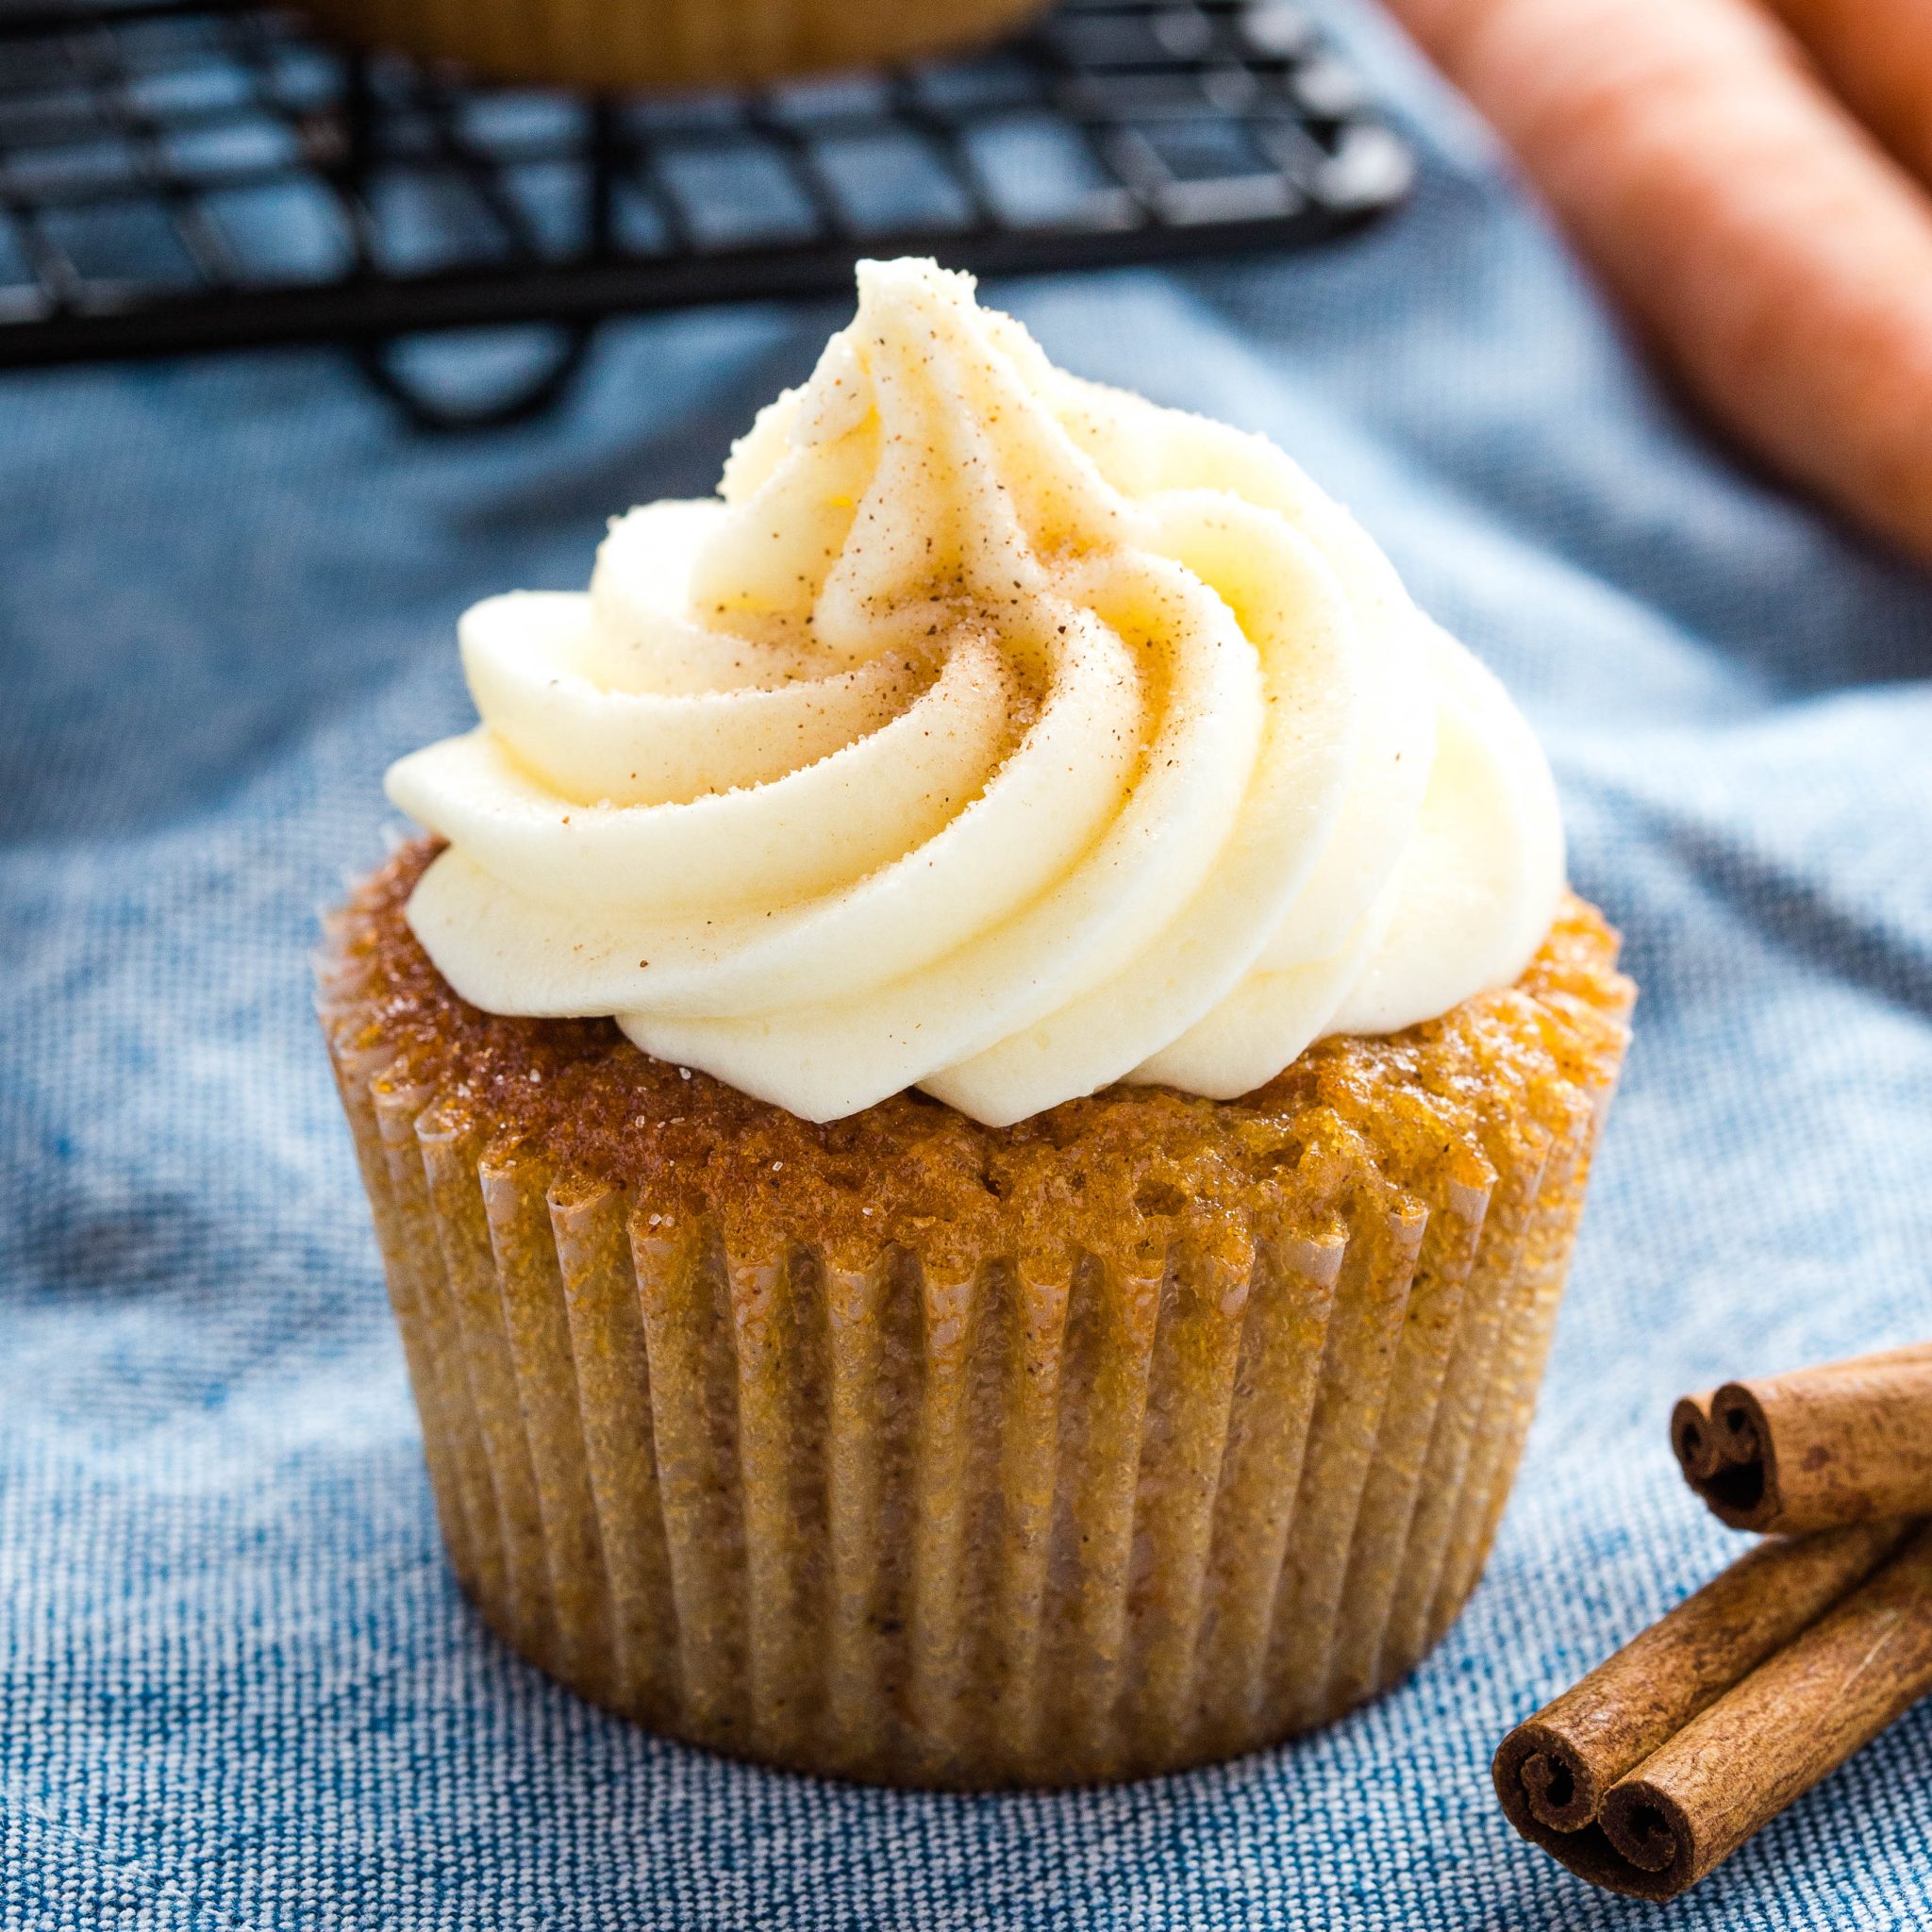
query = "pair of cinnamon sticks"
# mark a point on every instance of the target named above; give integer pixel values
(1663, 1760)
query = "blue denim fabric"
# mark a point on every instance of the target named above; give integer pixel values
(240, 1688)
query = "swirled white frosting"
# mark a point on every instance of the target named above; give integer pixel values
(993, 733)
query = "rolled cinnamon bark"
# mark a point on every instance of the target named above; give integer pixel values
(1790, 1723)
(1842, 1442)
(1554, 1772)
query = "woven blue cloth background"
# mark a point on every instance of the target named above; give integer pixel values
(240, 1691)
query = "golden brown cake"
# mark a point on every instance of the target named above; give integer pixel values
(978, 1109)
(1146, 1430)
(610, 46)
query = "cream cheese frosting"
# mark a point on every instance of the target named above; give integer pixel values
(991, 732)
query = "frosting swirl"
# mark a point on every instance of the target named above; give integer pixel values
(994, 733)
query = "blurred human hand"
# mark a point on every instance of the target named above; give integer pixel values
(1754, 180)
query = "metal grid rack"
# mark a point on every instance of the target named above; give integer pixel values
(198, 174)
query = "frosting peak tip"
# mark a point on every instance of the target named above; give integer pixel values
(881, 277)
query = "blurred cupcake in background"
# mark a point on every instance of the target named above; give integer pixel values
(620, 46)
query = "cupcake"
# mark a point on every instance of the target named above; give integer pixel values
(611, 45)
(977, 1101)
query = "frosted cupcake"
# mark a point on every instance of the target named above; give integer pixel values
(977, 1108)
(606, 45)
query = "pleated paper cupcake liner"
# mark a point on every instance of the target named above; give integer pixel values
(968, 1525)
(619, 45)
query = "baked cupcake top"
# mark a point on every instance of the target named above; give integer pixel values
(991, 732)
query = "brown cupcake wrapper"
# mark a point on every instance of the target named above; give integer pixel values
(1015, 1523)
(620, 44)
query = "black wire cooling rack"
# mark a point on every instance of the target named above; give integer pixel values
(182, 175)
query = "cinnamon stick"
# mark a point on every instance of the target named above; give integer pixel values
(1841, 1442)
(1667, 1757)
(1793, 1721)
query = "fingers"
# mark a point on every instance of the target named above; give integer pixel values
(1778, 258)
(1877, 55)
